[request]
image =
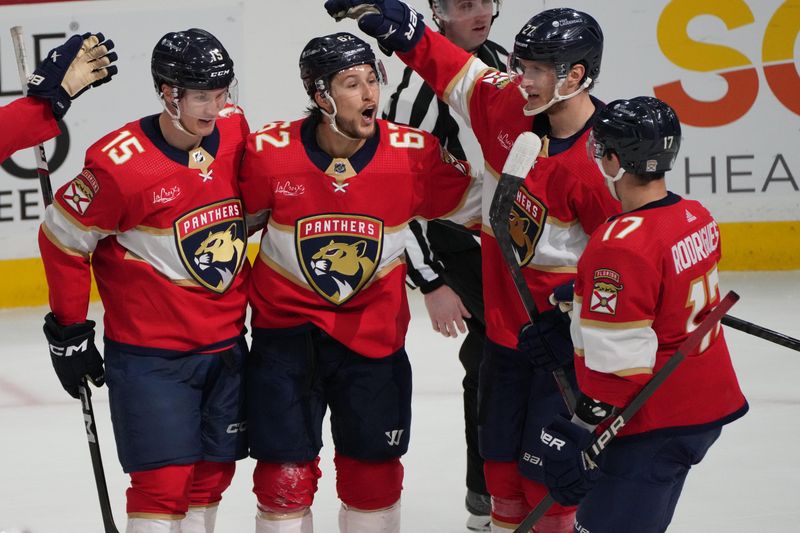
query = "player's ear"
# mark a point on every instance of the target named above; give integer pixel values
(576, 74)
(322, 102)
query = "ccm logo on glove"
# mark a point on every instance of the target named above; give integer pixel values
(66, 351)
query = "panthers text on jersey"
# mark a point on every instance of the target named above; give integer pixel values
(645, 281)
(564, 198)
(35, 121)
(332, 252)
(164, 232)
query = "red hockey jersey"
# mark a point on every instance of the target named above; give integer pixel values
(564, 200)
(164, 232)
(332, 253)
(27, 122)
(646, 279)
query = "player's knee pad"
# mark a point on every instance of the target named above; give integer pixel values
(209, 481)
(368, 486)
(162, 491)
(285, 487)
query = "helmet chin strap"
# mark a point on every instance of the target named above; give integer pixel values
(611, 180)
(332, 117)
(176, 116)
(556, 96)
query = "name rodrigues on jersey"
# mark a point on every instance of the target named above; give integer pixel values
(355, 225)
(695, 247)
(210, 216)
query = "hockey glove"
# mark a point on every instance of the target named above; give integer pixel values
(547, 341)
(569, 473)
(73, 353)
(396, 26)
(562, 297)
(83, 61)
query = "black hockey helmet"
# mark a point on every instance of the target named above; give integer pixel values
(644, 132)
(324, 56)
(191, 59)
(564, 37)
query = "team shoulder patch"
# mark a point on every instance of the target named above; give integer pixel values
(81, 191)
(338, 253)
(605, 293)
(497, 78)
(212, 243)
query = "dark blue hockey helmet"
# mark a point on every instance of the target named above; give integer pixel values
(564, 37)
(644, 132)
(324, 56)
(191, 59)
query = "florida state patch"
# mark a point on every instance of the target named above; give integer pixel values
(338, 253)
(81, 191)
(212, 242)
(605, 293)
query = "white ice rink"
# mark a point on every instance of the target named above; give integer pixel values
(748, 482)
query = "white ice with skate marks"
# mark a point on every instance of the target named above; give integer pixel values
(747, 482)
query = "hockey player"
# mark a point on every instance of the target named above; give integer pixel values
(445, 263)
(157, 206)
(330, 312)
(647, 277)
(83, 61)
(555, 62)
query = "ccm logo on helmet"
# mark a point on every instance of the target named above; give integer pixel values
(220, 73)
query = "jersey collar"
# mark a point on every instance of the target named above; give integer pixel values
(322, 160)
(152, 129)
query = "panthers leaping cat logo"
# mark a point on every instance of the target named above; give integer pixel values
(221, 251)
(345, 264)
(338, 253)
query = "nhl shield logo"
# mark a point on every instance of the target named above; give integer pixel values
(338, 253)
(525, 224)
(605, 292)
(212, 243)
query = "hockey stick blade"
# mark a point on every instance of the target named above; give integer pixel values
(601, 441)
(520, 161)
(759, 331)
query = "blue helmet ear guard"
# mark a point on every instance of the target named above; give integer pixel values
(191, 59)
(324, 56)
(564, 37)
(644, 132)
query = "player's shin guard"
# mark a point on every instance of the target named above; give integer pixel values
(297, 522)
(153, 525)
(378, 521)
(200, 519)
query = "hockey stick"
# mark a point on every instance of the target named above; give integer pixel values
(42, 170)
(520, 161)
(762, 332)
(85, 392)
(601, 441)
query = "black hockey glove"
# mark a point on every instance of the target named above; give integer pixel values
(569, 473)
(547, 341)
(396, 26)
(73, 353)
(83, 61)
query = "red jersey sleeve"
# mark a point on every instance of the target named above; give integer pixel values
(83, 212)
(35, 124)
(617, 295)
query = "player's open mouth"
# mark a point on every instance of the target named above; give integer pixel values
(479, 29)
(368, 115)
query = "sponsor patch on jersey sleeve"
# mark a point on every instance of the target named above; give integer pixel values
(605, 292)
